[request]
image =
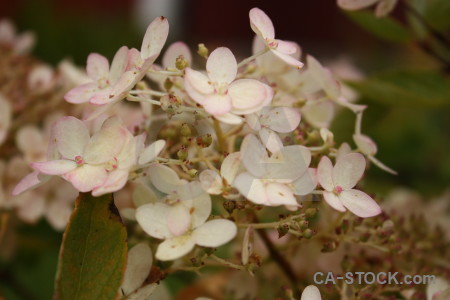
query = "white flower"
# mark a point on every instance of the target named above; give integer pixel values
(274, 180)
(270, 120)
(338, 183)
(383, 8)
(19, 44)
(437, 288)
(368, 147)
(263, 27)
(219, 92)
(311, 292)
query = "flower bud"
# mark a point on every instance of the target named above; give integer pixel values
(185, 130)
(303, 224)
(182, 153)
(168, 84)
(192, 172)
(329, 246)
(229, 206)
(308, 233)
(311, 212)
(181, 63)
(283, 229)
(209, 251)
(196, 262)
(203, 51)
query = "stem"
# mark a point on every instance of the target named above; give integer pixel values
(148, 92)
(145, 100)
(358, 123)
(249, 59)
(169, 73)
(226, 263)
(220, 136)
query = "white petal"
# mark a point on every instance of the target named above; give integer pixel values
(280, 194)
(306, 183)
(252, 188)
(253, 122)
(283, 119)
(270, 140)
(174, 248)
(355, 4)
(385, 7)
(247, 94)
(217, 104)
(334, 201)
(200, 209)
(153, 219)
(143, 194)
(155, 37)
(253, 155)
(261, 24)
(140, 259)
(289, 163)
(382, 166)
(151, 152)
(288, 59)
(173, 52)
(231, 166)
(267, 100)
(311, 292)
(435, 287)
(349, 170)
(221, 66)
(343, 150)
(197, 85)
(229, 118)
(5, 118)
(247, 244)
(118, 64)
(325, 173)
(71, 136)
(97, 66)
(214, 233)
(365, 144)
(115, 181)
(55, 167)
(360, 203)
(82, 93)
(211, 182)
(164, 178)
(286, 47)
(87, 177)
(30, 181)
(324, 76)
(319, 113)
(178, 219)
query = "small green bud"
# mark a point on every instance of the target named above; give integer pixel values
(182, 153)
(303, 224)
(203, 51)
(283, 229)
(181, 63)
(209, 251)
(185, 130)
(192, 173)
(196, 262)
(308, 233)
(229, 206)
(311, 212)
(168, 84)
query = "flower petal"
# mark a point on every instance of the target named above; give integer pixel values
(253, 155)
(214, 233)
(280, 194)
(118, 64)
(360, 203)
(211, 182)
(82, 93)
(289, 163)
(153, 219)
(71, 137)
(349, 170)
(217, 104)
(319, 113)
(247, 93)
(221, 66)
(306, 183)
(174, 248)
(229, 118)
(283, 119)
(288, 59)
(231, 166)
(87, 177)
(200, 209)
(139, 263)
(155, 37)
(270, 140)
(151, 152)
(197, 85)
(115, 181)
(311, 292)
(55, 167)
(173, 52)
(261, 24)
(334, 201)
(325, 173)
(178, 219)
(355, 4)
(164, 178)
(365, 144)
(97, 66)
(251, 188)
(30, 181)
(286, 47)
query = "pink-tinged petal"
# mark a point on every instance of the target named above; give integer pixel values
(261, 24)
(5, 118)
(128, 156)
(82, 93)
(98, 112)
(360, 203)
(324, 77)
(116, 181)
(217, 104)
(251, 188)
(253, 122)
(211, 182)
(287, 47)
(270, 140)
(200, 209)
(229, 118)
(134, 60)
(349, 170)
(174, 248)
(254, 155)
(231, 166)
(215, 233)
(155, 37)
(365, 144)
(139, 263)
(288, 59)
(164, 178)
(173, 52)
(29, 182)
(384, 7)
(102, 96)
(325, 173)
(118, 64)
(71, 137)
(86, 177)
(289, 163)
(382, 166)
(106, 144)
(311, 293)
(151, 152)
(283, 119)
(55, 167)
(355, 4)
(178, 219)
(306, 183)
(318, 113)
(197, 85)
(280, 194)
(343, 150)
(153, 219)
(189, 191)
(221, 66)
(356, 108)
(334, 201)
(97, 66)
(247, 94)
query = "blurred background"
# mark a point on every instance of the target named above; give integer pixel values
(412, 133)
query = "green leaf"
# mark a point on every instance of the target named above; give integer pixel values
(94, 251)
(385, 28)
(437, 13)
(411, 88)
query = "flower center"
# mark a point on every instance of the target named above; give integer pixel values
(111, 165)
(79, 160)
(273, 44)
(221, 88)
(338, 189)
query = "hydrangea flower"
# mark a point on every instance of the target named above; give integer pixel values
(338, 183)
(263, 27)
(311, 292)
(274, 180)
(368, 147)
(220, 94)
